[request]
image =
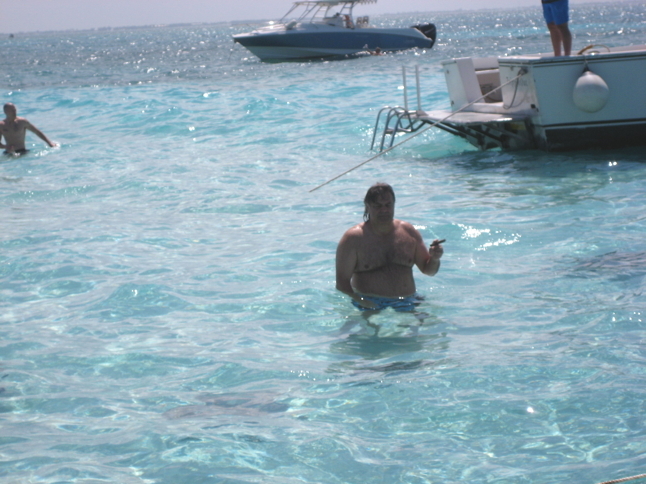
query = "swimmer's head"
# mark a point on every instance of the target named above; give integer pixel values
(10, 109)
(373, 194)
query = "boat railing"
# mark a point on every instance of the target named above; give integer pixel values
(338, 14)
(399, 120)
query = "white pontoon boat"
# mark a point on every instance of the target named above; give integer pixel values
(596, 98)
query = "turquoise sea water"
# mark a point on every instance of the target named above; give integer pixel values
(168, 311)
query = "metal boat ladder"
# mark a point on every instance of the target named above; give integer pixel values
(398, 119)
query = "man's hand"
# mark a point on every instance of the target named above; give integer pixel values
(436, 250)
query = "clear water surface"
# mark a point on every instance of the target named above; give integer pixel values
(168, 311)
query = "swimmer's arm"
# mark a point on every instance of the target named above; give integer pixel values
(40, 134)
(428, 260)
(346, 262)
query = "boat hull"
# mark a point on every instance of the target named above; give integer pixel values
(615, 134)
(559, 124)
(299, 45)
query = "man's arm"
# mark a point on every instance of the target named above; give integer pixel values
(346, 262)
(2, 146)
(427, 260)
(39, 133)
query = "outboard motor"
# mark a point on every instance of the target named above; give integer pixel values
(428, 30)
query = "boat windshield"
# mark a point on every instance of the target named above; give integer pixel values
(315, 11)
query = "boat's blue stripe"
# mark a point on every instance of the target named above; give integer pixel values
(355, 41)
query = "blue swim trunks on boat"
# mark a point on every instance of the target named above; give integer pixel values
(556, 11)
(401, 304)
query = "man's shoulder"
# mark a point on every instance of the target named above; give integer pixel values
(17, 122)
(403, 224)
(356, 230)
(355, 234)
(352, 238)
(406, 227)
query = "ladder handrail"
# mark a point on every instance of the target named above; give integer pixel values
(400, 113)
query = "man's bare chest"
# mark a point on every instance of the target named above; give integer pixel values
(11, 127)
(378, 253)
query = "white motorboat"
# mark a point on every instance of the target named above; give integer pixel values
(315, 29)
(596, 98)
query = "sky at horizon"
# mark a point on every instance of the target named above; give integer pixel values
(54, 15)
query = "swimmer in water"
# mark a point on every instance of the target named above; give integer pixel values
(14, 129)
(375, 259)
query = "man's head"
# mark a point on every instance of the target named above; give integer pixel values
(380, 197)
(10, 110)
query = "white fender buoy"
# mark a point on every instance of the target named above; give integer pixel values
(590, 92)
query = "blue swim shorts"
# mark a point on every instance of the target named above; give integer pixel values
(556, 12)
(22, 151)
(401, 304)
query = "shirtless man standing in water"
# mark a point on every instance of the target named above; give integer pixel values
(374, 260)
(13, 129)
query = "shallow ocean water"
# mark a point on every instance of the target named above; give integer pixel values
(167, 277)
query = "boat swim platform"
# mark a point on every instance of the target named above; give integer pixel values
(467, 117)
(484, 130)
(486, 124)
